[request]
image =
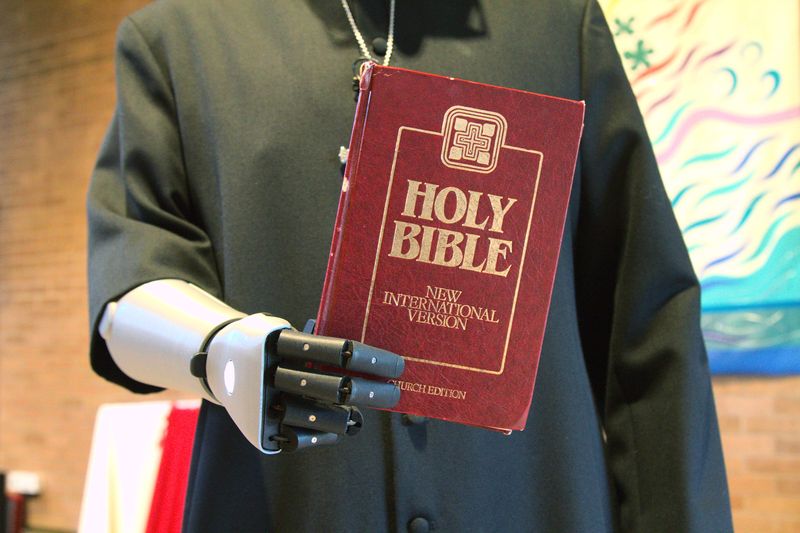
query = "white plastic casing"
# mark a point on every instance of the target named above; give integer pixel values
(235, 369)
(154, 330)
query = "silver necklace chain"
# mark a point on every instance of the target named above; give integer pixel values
(360, 38)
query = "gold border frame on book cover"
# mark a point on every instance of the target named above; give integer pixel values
(499, 147)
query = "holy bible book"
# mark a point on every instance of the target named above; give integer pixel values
(447, 237)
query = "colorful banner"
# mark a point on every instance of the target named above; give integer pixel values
(718, 84)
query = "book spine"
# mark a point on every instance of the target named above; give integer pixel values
(350, 171)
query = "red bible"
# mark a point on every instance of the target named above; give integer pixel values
(447, 237)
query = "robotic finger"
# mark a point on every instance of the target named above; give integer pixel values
(337, 389)
(350, 355)
(305, 423)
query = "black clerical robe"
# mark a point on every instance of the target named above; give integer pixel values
(220, 167)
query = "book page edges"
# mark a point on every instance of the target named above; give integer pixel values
(350, 171)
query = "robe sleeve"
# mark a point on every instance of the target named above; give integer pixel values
(639, 314)
(140, 218)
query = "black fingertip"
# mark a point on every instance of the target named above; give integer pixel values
(395, 396)
(356, 421)
(371, 360)
(366, 393)
(400, 366)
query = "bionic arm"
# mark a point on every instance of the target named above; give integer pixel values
(172, 334)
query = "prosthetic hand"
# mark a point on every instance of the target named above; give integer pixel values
(171, 334)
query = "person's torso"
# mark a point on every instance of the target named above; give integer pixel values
(264, 101)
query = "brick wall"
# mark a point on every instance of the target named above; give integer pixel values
(56, 97)
(760, 422)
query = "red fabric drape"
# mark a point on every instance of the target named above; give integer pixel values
(166, 509)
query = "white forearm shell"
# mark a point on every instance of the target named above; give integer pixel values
(153, 331)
